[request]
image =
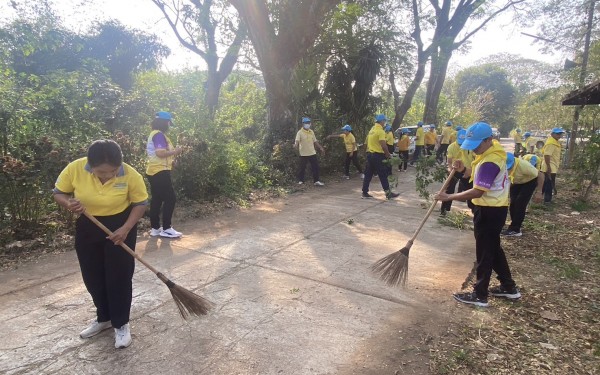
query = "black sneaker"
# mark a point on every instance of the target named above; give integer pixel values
(443, 212)
(471, 299)
(366, 195)
(390, 195)
(500, 291)
(511, 233)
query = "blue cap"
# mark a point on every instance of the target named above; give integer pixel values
(380, 117)
(510, 160)
(164, 115)
(347, 128)
(448, 123)
(420, 123)
(459, 127)
(533, 160)
(475, 135)
(526, 134)
(558, 130)
(404, 131)
(305, 120)
(460, 136)
(388, 128)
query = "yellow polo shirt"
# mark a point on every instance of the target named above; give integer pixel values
(453, 136)
(158, 140)
(430, 138)
(306, 140)
(420, 138)
(456, 153)
(349, 142)
(403, 143)
(553, 149)
(110, 198)
(446, 133)
(389, 138)
(376, 134)
(522, 172)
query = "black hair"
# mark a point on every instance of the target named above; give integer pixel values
(104, 151)
(160, 124)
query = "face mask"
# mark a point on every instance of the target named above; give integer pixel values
(306, 126)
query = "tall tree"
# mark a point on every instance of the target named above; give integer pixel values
(206, 28)
(281, 38)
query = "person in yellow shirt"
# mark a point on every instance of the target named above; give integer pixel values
(517, 138)
(444, 141)
(306, 143)
(490, 198)
(377, 152)
(552, 151)
(351, 150)
(430, 140)
(419, 143)
(115, 194)
(161, 154)
(528, 144)
(403, 145)
(525, 179)
(456, 153)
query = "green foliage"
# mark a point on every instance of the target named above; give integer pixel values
(586, 167)
(567, 270)
(428, 172)
(455, 219)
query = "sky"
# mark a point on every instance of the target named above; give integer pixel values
(500, 36)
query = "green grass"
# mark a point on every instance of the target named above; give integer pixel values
(455, 219)
(538, 226)
(567, 270)
(580, 206)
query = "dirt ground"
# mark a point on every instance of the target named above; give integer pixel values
(291, 285)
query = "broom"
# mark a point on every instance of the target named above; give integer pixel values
(187, 301)
(393, 269)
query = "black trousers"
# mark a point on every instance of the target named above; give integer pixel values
(351, 157)
(441, 152)
(549, 186)
(520, 195)
(314, 167)
(404, 156)
(429, 149)
(488, 223)
(375, 164)
(463, 185)
(417, 153)
(163, 198)
(106, 268)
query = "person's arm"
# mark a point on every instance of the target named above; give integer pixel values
(449, 164)
(162, 153)
(318, 145)
(68, 202)
(462, 196)
(384, 146)
(461, 167)
(119, 235)
(538, 197)
(548, 166)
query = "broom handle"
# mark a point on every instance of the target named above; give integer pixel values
(123, 245)
(443, 189)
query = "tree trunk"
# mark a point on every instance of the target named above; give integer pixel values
(437, 77)
(411, 90)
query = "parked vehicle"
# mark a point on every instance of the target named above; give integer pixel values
(496, 134)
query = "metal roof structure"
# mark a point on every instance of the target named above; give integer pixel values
(589, 94)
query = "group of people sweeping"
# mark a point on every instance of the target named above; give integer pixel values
(114, 194)
(110, 196)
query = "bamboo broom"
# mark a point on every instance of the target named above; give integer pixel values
(187, 301)
(393, 269)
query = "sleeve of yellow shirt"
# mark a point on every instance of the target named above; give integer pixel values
(137, 189)
(64, 182)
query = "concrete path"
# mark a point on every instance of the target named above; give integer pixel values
(291, 285)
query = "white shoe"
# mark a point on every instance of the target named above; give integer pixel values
(122, 336)
(362, 176)
(170, 233)
(319, 183)
(94, 329)
(155, 232)
(346, 177)
(300, 182)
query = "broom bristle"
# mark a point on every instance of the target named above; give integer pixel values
(393, 269)
(189, 302)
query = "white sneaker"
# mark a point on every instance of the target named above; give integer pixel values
(346, 177)
(122, 336)
(155, 232)
(362, 176)
(94, 329)
(319, 183)
(300, 182)
(170, 233)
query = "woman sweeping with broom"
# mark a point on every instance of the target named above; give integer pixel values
(490, 198)
(115, 194)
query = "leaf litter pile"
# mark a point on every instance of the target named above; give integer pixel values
(555, 327)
